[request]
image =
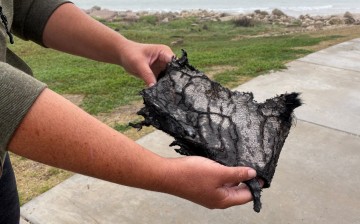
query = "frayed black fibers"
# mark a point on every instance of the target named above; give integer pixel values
(229, 127)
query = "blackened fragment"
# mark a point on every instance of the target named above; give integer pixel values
(209, 120)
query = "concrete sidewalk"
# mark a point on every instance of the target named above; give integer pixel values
(317, 179)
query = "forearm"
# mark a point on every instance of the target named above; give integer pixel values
(58, 133)
(70, 30)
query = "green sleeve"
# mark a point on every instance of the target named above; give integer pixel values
(18, 91)
(31, 16)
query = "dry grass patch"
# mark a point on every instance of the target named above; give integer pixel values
(120, 118)
(121, 115)
(76, 99)
(214, 70)
(346, 33)
(34, 178)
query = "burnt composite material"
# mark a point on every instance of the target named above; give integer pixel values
(209, 120)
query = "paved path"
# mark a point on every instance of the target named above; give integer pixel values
(317, 179)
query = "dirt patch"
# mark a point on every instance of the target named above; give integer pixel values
(270, 34)
(242, 80)
(134, 134)
(76, 99)
(214, 70)
(121, 115)
(347, 33)
(211, 72)
(34, 178)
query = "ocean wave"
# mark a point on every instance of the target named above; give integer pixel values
(306, 7)
(248, 9)
(294, 10)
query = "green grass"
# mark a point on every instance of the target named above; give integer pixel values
(208, 44)
(122, 127)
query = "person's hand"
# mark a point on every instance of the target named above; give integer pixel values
(145, 61)
(208, 183)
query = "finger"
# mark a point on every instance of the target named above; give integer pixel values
(147, 75)
(240, 174)
(251, 173)
(243, 186)
(240, 196)
(161, 62)
(160, 65)
(157, 68)
(166, 54)
(237, 195)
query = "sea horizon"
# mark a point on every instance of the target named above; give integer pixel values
(312, 7)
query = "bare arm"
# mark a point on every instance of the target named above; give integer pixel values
(70, 30)
(58, 133)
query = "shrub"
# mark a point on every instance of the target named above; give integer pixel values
(278, 12)
(149, 19)
(263, 13)
(349, 18)
(96, 8)
(244, 22)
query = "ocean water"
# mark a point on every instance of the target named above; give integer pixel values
(295, 8)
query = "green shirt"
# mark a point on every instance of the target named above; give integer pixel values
(19, 90)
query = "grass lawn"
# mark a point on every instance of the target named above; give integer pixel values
(229, 53)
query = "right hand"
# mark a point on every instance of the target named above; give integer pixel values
(208, 183)
(145, 61)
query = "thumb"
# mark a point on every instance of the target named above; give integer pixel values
(236, 194)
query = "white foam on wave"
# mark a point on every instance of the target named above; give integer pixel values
(320, 7)
(297, 10)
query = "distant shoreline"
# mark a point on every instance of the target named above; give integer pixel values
(276, 17)
(290, 11)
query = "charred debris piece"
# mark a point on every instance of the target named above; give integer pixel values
(209, 120)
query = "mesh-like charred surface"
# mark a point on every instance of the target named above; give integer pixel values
(209, 120)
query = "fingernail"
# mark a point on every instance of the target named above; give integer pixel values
(243, 186)
(251, 173)
(151, 84)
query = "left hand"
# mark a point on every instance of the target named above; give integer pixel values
(145, 61)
